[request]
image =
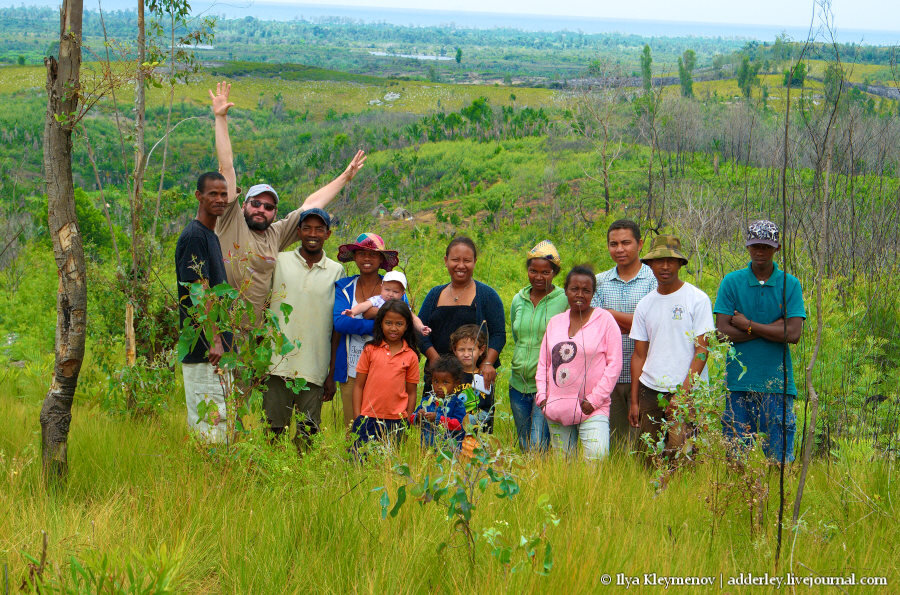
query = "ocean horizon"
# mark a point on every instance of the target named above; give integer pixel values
(483, 20)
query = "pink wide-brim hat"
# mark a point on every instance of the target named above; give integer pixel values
(373, 242)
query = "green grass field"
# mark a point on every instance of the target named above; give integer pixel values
(148, 499)
(319, 96)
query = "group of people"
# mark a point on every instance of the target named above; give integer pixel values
(597, 361)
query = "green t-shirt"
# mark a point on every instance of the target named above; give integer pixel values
(528, 325)
(760, 302)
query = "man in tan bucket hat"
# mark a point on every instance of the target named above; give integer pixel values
(669, 331)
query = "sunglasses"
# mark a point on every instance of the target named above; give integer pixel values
(258, 203)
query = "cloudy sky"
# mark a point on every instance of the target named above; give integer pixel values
(848, 14)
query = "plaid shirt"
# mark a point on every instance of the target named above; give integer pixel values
(623, 296)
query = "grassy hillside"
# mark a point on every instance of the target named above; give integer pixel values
(146, 506)
(143, 500)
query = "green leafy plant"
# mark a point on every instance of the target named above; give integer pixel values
(457, 484)
(515, 555)
(696, 413)
(222, 309)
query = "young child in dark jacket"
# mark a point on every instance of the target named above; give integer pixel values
(469, 344)
(442, 411)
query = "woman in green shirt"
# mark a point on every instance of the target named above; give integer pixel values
(531, 309)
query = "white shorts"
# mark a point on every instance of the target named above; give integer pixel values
(203, 383)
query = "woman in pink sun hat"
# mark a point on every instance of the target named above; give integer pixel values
(370, 254)
(369, 242)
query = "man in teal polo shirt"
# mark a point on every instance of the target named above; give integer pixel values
(760, 310)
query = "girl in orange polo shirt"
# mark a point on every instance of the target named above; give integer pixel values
(387, 375)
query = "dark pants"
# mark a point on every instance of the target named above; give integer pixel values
(621, 435)
(531, 425)
(432, 431)
(368, 429)
(652, 415)
(281, 402)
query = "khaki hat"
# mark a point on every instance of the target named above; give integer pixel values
(547, 251)
(665, 246)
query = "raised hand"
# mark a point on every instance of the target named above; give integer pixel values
(220, 103)
(356, 164)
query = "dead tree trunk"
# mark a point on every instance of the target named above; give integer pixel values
(136, 293)
(63, 91)
(808, 440)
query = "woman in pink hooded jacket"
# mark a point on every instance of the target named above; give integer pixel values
(578, 367)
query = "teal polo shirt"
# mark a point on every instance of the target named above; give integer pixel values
(760, 302)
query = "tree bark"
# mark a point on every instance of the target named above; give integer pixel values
(162, 173)
(63, 92)
(137, 277)
(809, 439)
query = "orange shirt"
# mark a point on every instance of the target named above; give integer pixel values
(384, 395)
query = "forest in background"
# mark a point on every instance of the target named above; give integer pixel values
(550, 137)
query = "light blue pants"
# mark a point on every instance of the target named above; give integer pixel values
(593, 433)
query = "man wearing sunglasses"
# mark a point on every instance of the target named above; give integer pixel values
(251, 243)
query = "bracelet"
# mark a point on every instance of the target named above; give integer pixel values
(749, 327)
(487, 364)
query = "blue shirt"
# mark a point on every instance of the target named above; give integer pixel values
(614, 293)
(760, 302)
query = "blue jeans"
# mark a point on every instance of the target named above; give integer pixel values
(531, 425)
(748, 413)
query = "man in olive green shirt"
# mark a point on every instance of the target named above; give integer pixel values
(304, 279)
(250, 236)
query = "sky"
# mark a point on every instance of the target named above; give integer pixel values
(848, 14)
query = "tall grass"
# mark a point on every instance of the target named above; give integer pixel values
(144, 495)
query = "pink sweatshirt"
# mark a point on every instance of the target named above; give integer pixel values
(584, 367)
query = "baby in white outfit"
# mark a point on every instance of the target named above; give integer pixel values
(393, 287)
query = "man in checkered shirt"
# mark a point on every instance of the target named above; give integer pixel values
(618, 291)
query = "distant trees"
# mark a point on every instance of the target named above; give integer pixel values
(686, 65)
(458, 55)
(596, 118)
(833, 82)
(747, 76)
(646, 67)
(796, 76)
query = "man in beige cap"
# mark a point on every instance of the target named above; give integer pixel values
(669, 331)
(251, 238)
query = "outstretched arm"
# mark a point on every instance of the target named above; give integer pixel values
(420, 326)
(360, 308)
(321, 197)
(220, 107)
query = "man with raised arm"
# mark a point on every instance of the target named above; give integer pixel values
(251, 238)
(760, 310)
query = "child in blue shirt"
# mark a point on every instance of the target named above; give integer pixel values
(442, 411)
